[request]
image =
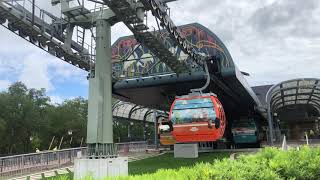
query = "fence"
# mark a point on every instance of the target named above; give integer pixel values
(135, 147)
(18, 165)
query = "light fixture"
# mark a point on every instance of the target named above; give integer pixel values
(69, 132)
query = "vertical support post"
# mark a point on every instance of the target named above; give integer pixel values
(64, 5)
(144, 130)
(278, 135)
(33, 11)
(129, 131)
(1, 170)
(69, 35)
(316, 125)
(155, 128)
(41, 160)
(22, 164)
(81, 142)
(71, 155)
(24, 10)
(58, 153)
(270, 122)
(140, 13)
(100, 129)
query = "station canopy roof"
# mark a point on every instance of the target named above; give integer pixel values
(294, 92)
(123, 109)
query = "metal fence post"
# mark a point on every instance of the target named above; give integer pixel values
(1, 165)
(41, 161)
(22, 164)
(71, 154)
(58, 154)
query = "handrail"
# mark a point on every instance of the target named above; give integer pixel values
(63, 150)
(42, 152)
(18, 165)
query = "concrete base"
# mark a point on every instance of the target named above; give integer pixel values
(186, 150)
(100, 168)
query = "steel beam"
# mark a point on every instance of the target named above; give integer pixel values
(100, 125)
(155, 128)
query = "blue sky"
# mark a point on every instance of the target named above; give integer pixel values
(22, 61)
(273, 40)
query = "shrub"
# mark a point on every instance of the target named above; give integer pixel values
(268, 164)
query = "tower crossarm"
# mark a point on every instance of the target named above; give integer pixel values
(43, 30)
(132, 14)
(160, 10)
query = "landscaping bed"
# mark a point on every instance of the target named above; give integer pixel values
(269, 163)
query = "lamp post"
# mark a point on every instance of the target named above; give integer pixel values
(70, 134)
(131, 124)
(31, 138)
(317, 124)
(129, 130)
(276, 124)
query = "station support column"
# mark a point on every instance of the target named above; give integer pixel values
(100, 124)
(155, 128)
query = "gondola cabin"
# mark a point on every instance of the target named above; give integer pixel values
(197, 118)
(164, 130)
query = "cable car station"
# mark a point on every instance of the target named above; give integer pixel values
(183, 75)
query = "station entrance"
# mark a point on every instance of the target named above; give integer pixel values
(294, 111)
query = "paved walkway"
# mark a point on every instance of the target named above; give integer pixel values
(66, 170)
(50, 173)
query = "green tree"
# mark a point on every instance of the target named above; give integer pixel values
(22, 113)
(28, 120)
(70, 116)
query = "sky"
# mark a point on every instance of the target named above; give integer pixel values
(272, 40)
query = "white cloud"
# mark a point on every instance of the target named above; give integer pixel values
(11, 43)
(22, 61)
(56, 99)
(35, 72)
(281, 52)
(40, 69)
(270, 53)
(4, 84)
(275, 51)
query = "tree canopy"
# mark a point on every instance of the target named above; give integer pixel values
(29, 120)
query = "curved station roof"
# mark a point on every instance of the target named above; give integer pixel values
(133, 112)
(292, 93)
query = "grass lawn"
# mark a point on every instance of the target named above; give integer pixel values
(267, 164)
(167, 161)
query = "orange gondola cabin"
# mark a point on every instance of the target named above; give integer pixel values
(194, 118)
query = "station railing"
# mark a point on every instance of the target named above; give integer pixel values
(19, 165)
